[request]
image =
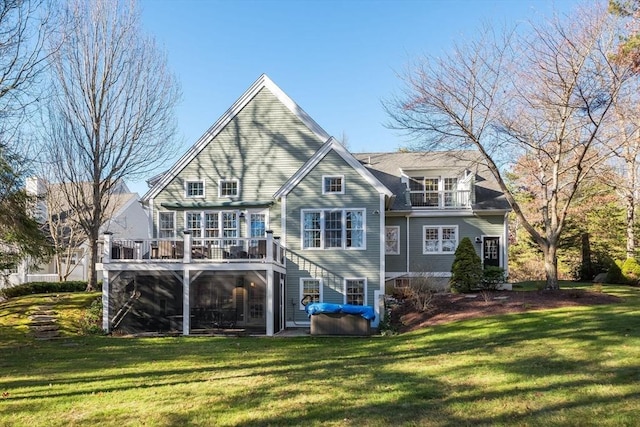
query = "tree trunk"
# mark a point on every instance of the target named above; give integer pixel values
(551, 267)
(631, 244)
(92, 279)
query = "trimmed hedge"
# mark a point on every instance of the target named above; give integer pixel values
(44, 288)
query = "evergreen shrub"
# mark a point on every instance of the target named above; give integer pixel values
(466, 270)
(492, 277)
(631, 271)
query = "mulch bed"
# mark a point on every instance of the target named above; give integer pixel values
(452, 307)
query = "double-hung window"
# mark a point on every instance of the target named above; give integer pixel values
(311, 289)
(333, 229)
(440, 239)
(166, 225)
(194, 189)
(355, 291)
(228, 188)
(332, 185)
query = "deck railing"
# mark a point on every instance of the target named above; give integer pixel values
(190, 250)
(458, 199)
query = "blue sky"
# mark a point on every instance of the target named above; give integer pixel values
(337, 59)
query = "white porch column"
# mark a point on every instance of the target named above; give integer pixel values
(186, 257)
(105, 300)
(106, 248)
(270, 253)
(186, 310)
(269, 296)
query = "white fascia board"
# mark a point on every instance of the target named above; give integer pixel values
(262, 82)
(304, 170)
(331, 144)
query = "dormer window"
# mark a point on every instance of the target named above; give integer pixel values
(333, 185)
(228, 188)
(194, 188)
(440, 192)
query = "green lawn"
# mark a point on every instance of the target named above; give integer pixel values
(577, 366)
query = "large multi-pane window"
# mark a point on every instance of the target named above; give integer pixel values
(166, 225)
(440, 239)
(333, 229)
(355, 291)
(212, 225)
(194, 189)
(437, 192)
(311, 289)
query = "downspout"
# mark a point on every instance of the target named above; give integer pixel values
(407, 243)
(506, 245)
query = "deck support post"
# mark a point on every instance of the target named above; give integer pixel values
(186, 310)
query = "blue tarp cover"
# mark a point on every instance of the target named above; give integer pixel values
(324, 307)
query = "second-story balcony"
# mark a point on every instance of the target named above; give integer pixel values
(189, 250)
(455, 199)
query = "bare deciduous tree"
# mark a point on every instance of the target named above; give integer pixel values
(624, 142)
(112, 115)
(540, 96)
(22, 35)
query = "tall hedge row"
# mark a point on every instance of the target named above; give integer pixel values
(43, 288)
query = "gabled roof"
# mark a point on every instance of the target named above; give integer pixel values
(331, 144)
(263, 82)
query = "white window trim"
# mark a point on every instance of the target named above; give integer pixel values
(439, 251)
(344, 227)
(174, 224)
(194, 181)
(326, 191)
(320, 284)
(220, 181)
(397, 252)
(344, 289)
(203, 224)
(247, 220)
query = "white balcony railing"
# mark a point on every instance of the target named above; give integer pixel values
(189, 250)
(456, 199)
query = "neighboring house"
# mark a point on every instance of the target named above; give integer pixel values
(126, 219)
(267, 208)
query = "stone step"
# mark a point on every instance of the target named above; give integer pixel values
(44, 328)
(44, 313)
(47, 335)
(42, 318)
